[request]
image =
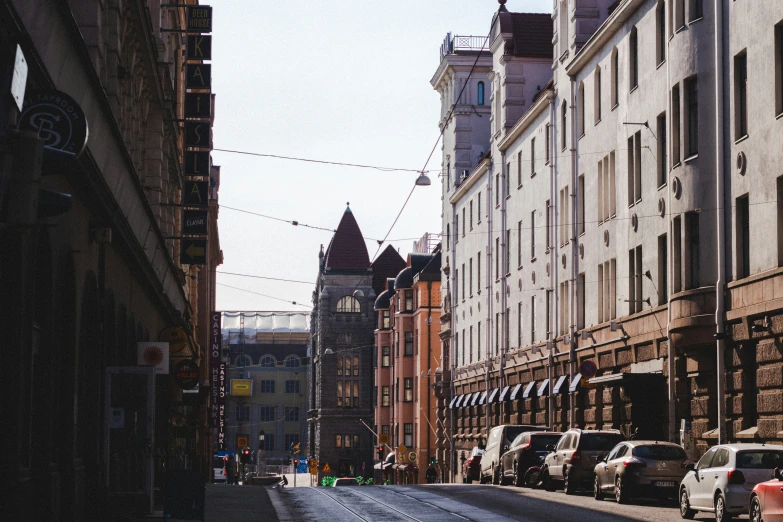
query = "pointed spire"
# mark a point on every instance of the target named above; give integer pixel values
(347, 250)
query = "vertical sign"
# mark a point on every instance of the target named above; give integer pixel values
(217, 377)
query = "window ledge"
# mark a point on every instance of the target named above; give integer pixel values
(661, 64)
(741, 139)
(582, 233)
(532, 259)
(519, 187)
(615, 106)
(663, 185)
(520, 267)
(533, 174)
(676, 165)
(691, 158)
(478, 292)
(597, 122)
(699, 19)
(635, 87)
(779, 116)
(508, 197)
(683, 27)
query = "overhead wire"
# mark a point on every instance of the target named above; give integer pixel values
(264, 295)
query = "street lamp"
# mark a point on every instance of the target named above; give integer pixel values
(261, 437)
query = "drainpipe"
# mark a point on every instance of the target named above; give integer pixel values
(574, 253)
(429, 365)
(488, 275)
(504, 260)
(452, 348)
(720, 305)
(672, 350)
(552, 174)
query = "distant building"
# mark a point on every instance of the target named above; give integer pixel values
(342, 326)
(267, 379)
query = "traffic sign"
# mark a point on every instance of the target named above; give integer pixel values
(412, 456)
(402, 448)
(588, 369)
(383, 438)
(313, 463)
(313, 470)
(327, 469)
(242, 441)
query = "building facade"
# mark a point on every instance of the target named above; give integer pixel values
(267, 382)
(601, 270)
(408, 362)
(83, 282)
(342, 340)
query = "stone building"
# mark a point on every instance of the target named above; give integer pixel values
(342, 340)
(598, 273)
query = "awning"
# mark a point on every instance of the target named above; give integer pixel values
(574, 385)
(483, 398)
(459, 401)
(453, 400)
(383, 465)
(559, 388)
(529, 389)
(475, 398)
(626, 378)
(515, 392)
(504, 394)
(492, 395)
(543, 390)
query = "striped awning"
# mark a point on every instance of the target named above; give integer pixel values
(475, 398)
(504, 394)
(529, 389)
(559, 388)
(574, 385)
(453, 400)
(492, 395)
(515, 392)
(483, 398)
(543, 390)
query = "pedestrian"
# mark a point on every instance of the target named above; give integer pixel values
(431, 474)
(231, 470)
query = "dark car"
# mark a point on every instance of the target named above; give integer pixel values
(347, 481)
(471, 470)
(527, 450)
(498, 442)
(572, 461)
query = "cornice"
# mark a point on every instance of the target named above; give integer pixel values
(519, 127)
(471, 180)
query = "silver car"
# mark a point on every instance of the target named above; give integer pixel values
(722, 480)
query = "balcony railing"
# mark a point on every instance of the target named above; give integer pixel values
(453, 44)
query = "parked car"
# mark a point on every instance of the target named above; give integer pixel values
(766, 500)
(723, 479)
(571, 462)
(498, 442)
(347, 481)
(471, 470)
(640, 468)
(528, 449)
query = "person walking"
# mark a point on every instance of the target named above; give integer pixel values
(231, 470)
(431, 474)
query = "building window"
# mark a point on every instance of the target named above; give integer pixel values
(692, 117)
(563, 36)
(292, 361)
(266, 414)
(269, 442)
(519, 244)
(464, 347)
(480, 100)
(478, 209)
(385, 396)
(740, 95)
(508, 179)
(292, 386)
(292, 413)
(780, 219)
(346, 441)
(564, 216)
(607, 191)
(581, 204)
(267, 386)
(533, 234)
(448, 237)
(386, 321)
(563, 125)
(565, 309)
(663, 151)
(267, 361)
(675, 125)
(663, 267)
(546, 144)
(408, 300)
(779, 68)
(497, 258)
(633, 59)
(532, 160)
(448, 173)
(471, 214)
(615, 79)
(470, 278)
(340, 365)
(507, 329)
(532, 319)
(660, 32)
(470, 353)
(463, 222)
(478, 341)
(677, 254)
(460, 362)
(408, 384)
(580, 303)
(743, 237)
(456, 228)
(679, 13)
(243, 412)
(696, 10)
(291, 439)
(478, 272)
(243, 360)
(507, 251)
(386, 356)
(339, 394)
(456, 283)
(463, 281)
(348, 304)
(519, 170)
(580, 109)
(635, 280)
(548, 313)
(408, 431)
(597, 94)
(338, 441)
(355, 366)
(408, 343)
(497, 333)
(635, 168)
(497, 189)
(692, 250)
(519, 324)
(607, 277)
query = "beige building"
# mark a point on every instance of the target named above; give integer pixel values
(599, 273)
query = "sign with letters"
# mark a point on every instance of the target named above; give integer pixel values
(199, 18)
(197, 134)
(186, 374)
(217, 397)
(193, 251)
(198, 76)
(198, 105)
(194, 222)
(196, 163)
(57, 119)
(195, 193)
(199, 47)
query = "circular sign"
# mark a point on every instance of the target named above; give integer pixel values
(412, 456)
(588, 369)
(57, 119)
(186, 374)
(176, 337)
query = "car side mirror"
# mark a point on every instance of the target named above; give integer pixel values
(550, 447)
(777, 473)
(690, 466)
(602, 457)
(505, 448)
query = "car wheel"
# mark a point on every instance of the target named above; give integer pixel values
(549, 484)
(685, 506)
(721, 510)
(569, 487)
(755, 510)
(620, 493)
(495, 475)
(597, 493)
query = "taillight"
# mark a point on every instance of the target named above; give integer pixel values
(633, 462)
(526, 447)
(736, 477)
(576, 457)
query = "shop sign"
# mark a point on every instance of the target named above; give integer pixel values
(198, 76)
(57, 119)
(241, 387)
(197, 163)
(176, 337)
(186, 374)
(198, 105)
(153, 354)
(194, 222)
(216, 369)
(195, 193)
(197, 134)
(199, 47)
(193, 252)
(199, 18)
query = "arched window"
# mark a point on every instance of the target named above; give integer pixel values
(268, 361)
(480, 100)
(244, 360)
(348, 304)
(292, 361)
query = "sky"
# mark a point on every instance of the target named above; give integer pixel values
(343, 81)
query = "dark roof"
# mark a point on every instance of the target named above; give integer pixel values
(385, 297)
(431, 270)
(532, 33)
(404, 278)
(347, 250)
(430, 263)
(386, 265)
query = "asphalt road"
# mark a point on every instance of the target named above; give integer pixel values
(459, 502)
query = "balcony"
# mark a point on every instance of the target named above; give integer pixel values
(457, 44)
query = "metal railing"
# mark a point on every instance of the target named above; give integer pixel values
(452, 44)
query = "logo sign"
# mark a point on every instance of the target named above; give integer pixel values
(197, 134)
(412, 456)
(196, 163)
(199, 18)
(186, 374)
(215, 341)
(588, 369)
(199, 47)
(198, 105)
(194, 222)
(57, 118)
(193, 252)
(383, 438)
(176, 337)
(153, 354)
(195, 193)
(198, 76)
(241, 387)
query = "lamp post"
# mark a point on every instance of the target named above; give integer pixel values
(261, 436)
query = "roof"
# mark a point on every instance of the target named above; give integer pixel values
(532, 34)
(386, 265)
(245, 325)
(347, 249)
(385, 297)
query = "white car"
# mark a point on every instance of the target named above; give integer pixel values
(722, 480)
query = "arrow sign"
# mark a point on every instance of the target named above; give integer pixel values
(193, 252)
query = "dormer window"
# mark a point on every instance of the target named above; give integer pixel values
(348, 304)
(386, 319)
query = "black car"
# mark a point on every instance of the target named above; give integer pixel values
(528, 449)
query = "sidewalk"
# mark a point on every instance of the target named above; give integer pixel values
(302, 480)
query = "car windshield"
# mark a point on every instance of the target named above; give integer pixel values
(659, 452)
(540, 442)
(599, 441)
(477, 452)
(759, 459)
(346, 482)
(217, 462)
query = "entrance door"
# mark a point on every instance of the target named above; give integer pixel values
(649, 397)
